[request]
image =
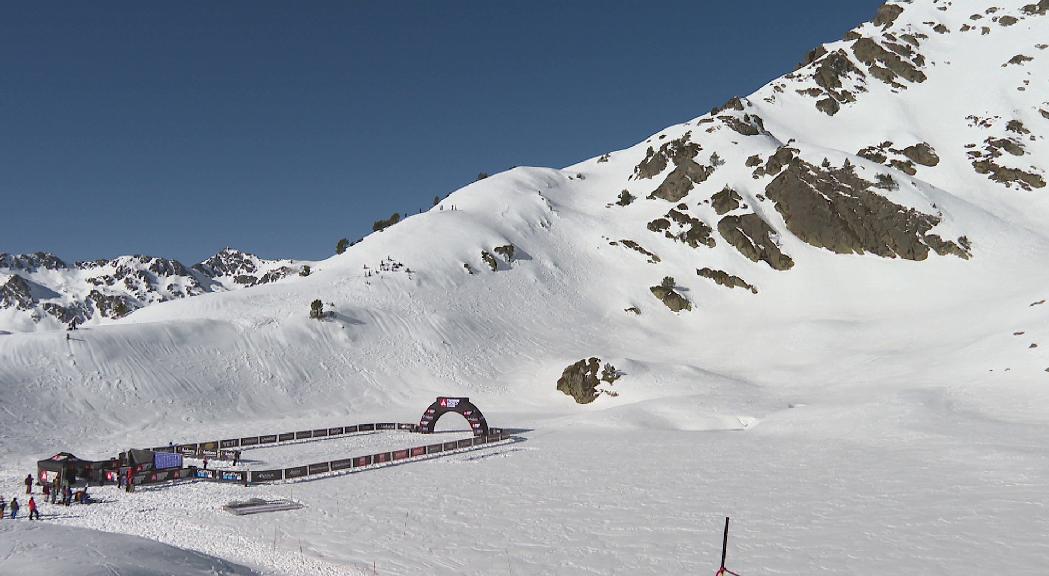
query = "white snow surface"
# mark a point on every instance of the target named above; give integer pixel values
(858, 415)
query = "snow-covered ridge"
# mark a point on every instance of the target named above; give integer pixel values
(40, 291)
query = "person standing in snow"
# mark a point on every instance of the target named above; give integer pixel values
(3, 505)
(236, 457)
(205, 463)
(14, 508)
(28, 483)
(32, 509)
(55, 485)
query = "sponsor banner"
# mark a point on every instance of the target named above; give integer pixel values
(350, 429)
(267, 475)
(319, 468)
(360, 461)
(402, 426)
(341, 464)
(450, 446)
(296, 472)
(212, 446)
(164, 460)
(231, 443)
(380, 458)
(480, 440)
(366, 427)
(321, 432)
(285, 437)
(268, 439)
(465, 443)
(495, 430)
(187, 448)
(386, 426)
(434, 448)
(205, 474)
(232, 476)
(334, 431)
(400, 454)
(249, 441)
(303, 434)
(418, 451)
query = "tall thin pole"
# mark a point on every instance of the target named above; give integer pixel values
(724, 545)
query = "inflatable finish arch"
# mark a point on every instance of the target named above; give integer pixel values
(463, 406)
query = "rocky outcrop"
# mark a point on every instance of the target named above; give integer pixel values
(652, 258)
(887, 14)
(580, 380)
(686, 173)
(833, 208)
(725, 201)
(507, 251)
(723, 278)
(489, 260)
(15, 293)
(752, 236)
(670, 298)
(31, 262)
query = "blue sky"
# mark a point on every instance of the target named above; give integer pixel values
(179, 128)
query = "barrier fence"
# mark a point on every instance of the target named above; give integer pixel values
(223, 449)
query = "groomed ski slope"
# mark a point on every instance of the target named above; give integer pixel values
(859, 415)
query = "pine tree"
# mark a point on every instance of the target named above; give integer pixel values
(342, 246)
(317, 309)
(305, 270)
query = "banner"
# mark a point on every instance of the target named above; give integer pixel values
(361, 461)
(231, 443)
(341, 464)
(400, 454)
(267, 475)
(434, 448)
(303, 434)
(285, 437)
(334, 431)
(270, 439)
(319, 468)
(295, 472)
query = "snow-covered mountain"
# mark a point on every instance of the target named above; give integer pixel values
(40, 291)
(848, 266)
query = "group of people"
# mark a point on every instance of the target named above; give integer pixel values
(58, 491)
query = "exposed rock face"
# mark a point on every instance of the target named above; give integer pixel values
(580, 380)
(686, 173)
(507, 251)
(625, 198)
(887, 14)
(723, 278)
(835, 209)
(652, 258)
(31, 262)
(113, 288)
(693, 231)
(752, 236)
(669, 297)
(886, 65)
(489, 260)
(15, 293)
(725, 201)
(922, 153)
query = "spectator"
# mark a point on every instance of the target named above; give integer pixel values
(32, 509)
(14, 508)
(28, 483)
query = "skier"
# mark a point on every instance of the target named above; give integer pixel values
(28, 483)
(32, 509)
(3, 504)
(14, 508)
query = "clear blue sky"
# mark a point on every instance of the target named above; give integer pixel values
(178, 128)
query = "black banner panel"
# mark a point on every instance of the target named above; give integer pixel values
(303, 434)
(296, 472)
(320, 433)
(267, 475)
(418, 451)
(319, 468)
(334, 431)
(434, 448)
(350, 429)
(249, 441)
(465, 443)
(366, 427)
(231, 443)
(285, 437)
(270, 439)
(341, 464)
(380, 457)
(450, 446)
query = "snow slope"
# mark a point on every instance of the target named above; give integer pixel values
(879, 404)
